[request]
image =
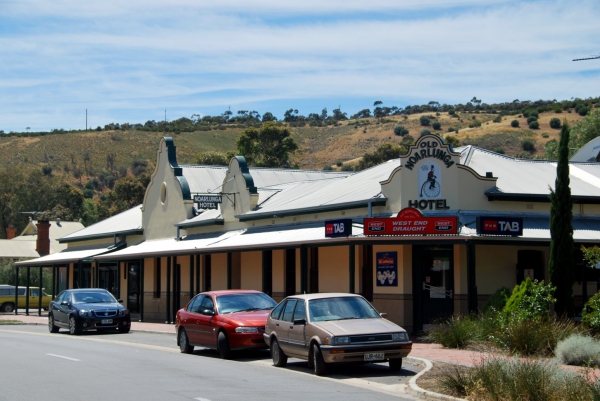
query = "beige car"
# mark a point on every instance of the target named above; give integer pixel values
(332, 328)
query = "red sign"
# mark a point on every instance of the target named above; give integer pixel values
(410, 221)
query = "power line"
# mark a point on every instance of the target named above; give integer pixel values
(587, 58)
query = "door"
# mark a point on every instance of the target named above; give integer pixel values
(206, 329)
(285, 324)
(62, 314)
(190, 319)
(296, 336)
(434, 280)
(133, 287)
(107, 279)
(290, 272)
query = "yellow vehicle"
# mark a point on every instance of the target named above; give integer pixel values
(7, 298)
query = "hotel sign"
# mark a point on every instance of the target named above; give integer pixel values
(208, 201)
(411, 221)
(499, 225)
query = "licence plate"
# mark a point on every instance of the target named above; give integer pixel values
(375, 356)
(106, 321)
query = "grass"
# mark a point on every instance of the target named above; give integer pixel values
(10, 322)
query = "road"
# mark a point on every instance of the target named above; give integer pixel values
(35, 364)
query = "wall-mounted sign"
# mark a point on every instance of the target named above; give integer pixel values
(426, 149)
(410, 221)
(208, 201)
(387, 269)
(498, 225)
(430, 180)
(338, 228)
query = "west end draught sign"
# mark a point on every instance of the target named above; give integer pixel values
(410, 221)
(208, 201)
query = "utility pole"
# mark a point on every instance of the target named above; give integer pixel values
(165, 116)
(86, 126)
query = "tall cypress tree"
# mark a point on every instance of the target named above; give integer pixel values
(561, 264)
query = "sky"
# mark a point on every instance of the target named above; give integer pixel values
(129, 61)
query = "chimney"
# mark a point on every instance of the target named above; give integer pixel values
(11, 232)
(43, 237)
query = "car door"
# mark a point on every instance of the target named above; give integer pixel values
(206, 328)
(285, 323)
(59, 311)
(296, 331)
(190, 317)
(34, 297)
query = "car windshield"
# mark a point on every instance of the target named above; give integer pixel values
(232, 303)
(340, 308)
(93, 298)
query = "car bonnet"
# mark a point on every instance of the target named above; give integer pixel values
(358, 326)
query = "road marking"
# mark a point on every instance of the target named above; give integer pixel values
(64, 357)
(202, 399)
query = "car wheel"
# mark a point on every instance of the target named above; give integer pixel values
(73, 330)
(223, 346)
(396, 364)
(184, 343)
(8, 307)
(279, 358)
(51, 326)
(320, 367)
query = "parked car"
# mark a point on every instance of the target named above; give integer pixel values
(333, 328)
(224, 320)
(7, 298)
(87, 309)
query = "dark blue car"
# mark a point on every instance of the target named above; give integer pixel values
(87, 309)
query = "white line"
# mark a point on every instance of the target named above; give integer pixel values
(202, 399)
(64, 357)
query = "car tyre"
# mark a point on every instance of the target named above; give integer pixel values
(73, 330)
(396, 364)
(184, 343)
(8, 307)
(320, 367)
(223, 346)
(279, 357)
(51, 327)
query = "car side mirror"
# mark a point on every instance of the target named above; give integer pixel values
(120, 300)
(65, 303)
(300, 322)
(383, 315)
(208, 312)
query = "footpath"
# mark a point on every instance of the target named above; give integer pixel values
(422, 353)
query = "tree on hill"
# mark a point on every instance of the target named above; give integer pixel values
(268, 146)
(586, 129)
(212, 158)
(385, 152)
(561, 265)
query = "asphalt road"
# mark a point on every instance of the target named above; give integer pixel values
(35, 364)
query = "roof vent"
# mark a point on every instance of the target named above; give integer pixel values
(489, 174)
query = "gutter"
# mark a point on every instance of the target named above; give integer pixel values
(138, 231)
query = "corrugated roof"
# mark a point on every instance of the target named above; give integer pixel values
(127, 221)
(69, 255)
(524, 176)
(57, 230)
(18, 249)
(205, 179)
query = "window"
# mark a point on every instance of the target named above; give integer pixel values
(163, 193)
(289, 310)
(277, 311)
(299, 311)
(195, 305)
(157, 277)
(207, 303)
(35, 292)
(244, 302)
(341, 308)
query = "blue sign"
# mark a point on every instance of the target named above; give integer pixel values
(387, 269)
(498, 225)
(338, 228)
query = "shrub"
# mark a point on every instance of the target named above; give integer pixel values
(544, 135)
(424, 121)
(497, 300)
(408, 139)
(528, 145)
(530, 299)
(534, 125)
(583, 111)
(578, 350)
(555, 123)
(47, 170)
(347, 167)
(452, 140)
(451, 112)
(450, 129)
(455, 332)
(498, 118)
(499, 150)
(436, 125)
(590, 315)
(425, 132)
(531, 113)
(514, 123)
(400, 130)
(531, 119)
(327, 168)
(339, 163)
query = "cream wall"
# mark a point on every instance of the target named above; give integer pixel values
(251, 270)
(333, 269)
(219, 271)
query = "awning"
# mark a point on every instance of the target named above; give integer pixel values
(68, 256)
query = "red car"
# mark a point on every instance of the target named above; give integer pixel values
(224, 320)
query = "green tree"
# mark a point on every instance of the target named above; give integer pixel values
(555, 123)
(385, 152)
(400, 130)
(586, 129)
(268, 146)
(561, 264)
(514, 123)
(212, 158)
(452, 140)
(424, 121)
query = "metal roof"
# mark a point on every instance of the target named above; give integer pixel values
(127, 222)
(18, 249)
(208, 179)
(57, 230)
(526, 176)
(68, 255)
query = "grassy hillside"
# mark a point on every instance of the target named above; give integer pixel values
(319, 146)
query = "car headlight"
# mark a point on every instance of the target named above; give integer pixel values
(399, 336)
(123, 312)
(84, 312)
(246, 330)
(341, 340)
